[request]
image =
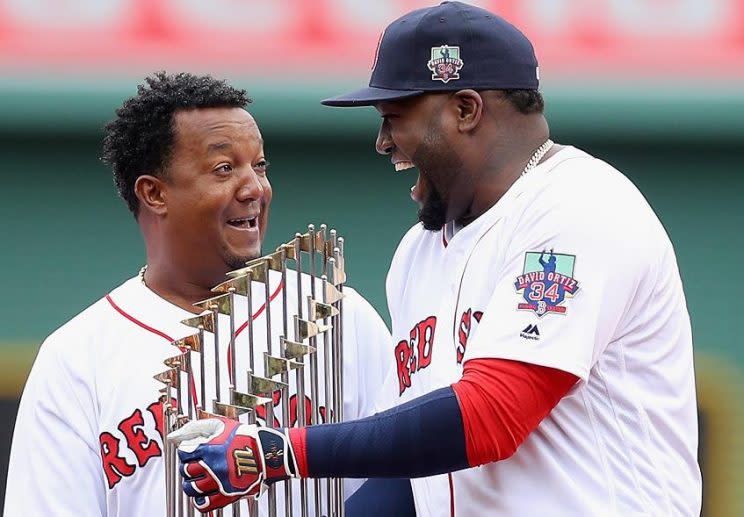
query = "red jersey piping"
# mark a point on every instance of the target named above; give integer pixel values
(260, 309)
(136, 321)
(168, 338)
(452, 494)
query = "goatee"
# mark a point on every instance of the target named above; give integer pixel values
(433, 212)
(236, 262)
(436, 160)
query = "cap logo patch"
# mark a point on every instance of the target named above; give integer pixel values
(445, 63)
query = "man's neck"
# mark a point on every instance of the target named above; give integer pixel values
(499, 184)
(178, 289)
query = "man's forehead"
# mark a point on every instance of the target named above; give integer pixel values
(213, 125)
(218, 144)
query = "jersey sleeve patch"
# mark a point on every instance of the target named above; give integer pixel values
(546, 282)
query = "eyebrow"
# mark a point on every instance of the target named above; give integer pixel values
(221, 146)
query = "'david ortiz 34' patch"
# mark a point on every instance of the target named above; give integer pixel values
(445, 63)
(546, 280)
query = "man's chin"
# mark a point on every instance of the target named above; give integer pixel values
(238, 261)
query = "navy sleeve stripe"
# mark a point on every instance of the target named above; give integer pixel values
(422, 437)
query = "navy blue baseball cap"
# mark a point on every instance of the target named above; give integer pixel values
(451, 46)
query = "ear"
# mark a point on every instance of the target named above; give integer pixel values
(150, 191)
(469, 110)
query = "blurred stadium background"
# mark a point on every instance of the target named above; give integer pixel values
(656, 87)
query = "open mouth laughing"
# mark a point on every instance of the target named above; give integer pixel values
(417, 190)
(244, 223)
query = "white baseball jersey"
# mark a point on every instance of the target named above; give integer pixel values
(570, 269)
(87, 440)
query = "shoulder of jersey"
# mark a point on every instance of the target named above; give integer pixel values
(582, 173)
(576, 182)
(583, 191)
(83, 327)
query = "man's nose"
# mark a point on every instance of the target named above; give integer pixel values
(250, 188)
(384, 143)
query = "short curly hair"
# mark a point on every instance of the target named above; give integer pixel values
(140, 139)
(525, 101)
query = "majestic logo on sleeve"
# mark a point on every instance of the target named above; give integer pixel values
(546, 281)
(445, 63)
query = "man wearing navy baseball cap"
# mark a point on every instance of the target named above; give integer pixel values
(539, 369)
(480, 64)
(446, 48)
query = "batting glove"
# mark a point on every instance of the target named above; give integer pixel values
(223, 460)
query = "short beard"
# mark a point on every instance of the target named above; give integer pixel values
(436, 159)
(433, 211)
(236, 262)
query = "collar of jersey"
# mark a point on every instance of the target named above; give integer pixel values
(137, 300)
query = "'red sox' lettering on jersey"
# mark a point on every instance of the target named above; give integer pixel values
(415, 354)
(107, 420)
(115, 466)
(144, 447)
(614, 320)
(466, 327)
(293, 404)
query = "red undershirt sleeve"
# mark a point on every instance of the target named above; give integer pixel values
(482, 418)
(298, 438)
(503, 401)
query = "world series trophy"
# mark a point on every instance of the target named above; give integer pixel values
(243, 371)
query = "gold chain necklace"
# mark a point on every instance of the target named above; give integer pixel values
(535, 158)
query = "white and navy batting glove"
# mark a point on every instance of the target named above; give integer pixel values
(223, 460)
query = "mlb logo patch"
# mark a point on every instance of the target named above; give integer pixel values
(445, 63)
(546, 281)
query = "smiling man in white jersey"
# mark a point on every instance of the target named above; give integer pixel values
(543, 344)
(189, 161)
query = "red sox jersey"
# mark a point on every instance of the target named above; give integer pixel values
(570, 269)
(88, 433)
